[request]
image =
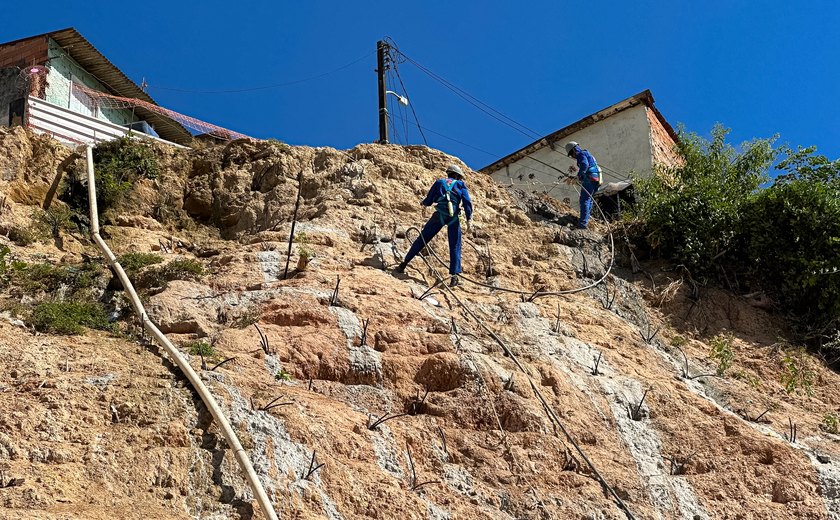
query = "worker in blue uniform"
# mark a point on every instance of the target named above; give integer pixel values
(447, 195)
(589, 175)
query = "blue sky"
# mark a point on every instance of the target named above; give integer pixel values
(760, 68)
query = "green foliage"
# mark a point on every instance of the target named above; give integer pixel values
(118, 165)
(750, 379)
(304, 250)
(830, 423)
(54, 220)
(282, 375)
(691, 210)
(133, 263)
(25, 236)
(4, 252)
(792, 237)
(710, 215)
(69, 317)
(201, 348)
(721, 353)
(678, 341)
(798, 375)
(48, 278)
(179, 269)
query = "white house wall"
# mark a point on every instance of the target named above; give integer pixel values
(62, 69)
(621, 142)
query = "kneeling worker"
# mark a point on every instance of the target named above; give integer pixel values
(447, 195)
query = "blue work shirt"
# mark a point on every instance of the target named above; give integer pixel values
(585, 164)
(458, 194)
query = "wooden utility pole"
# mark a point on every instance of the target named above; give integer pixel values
(381, 51)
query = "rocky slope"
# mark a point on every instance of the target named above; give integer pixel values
(101, 425)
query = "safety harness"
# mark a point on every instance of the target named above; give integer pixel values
(445, 208)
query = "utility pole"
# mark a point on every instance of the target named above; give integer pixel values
(381, 52)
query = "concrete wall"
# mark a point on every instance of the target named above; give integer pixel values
(11, 89)
(621, 142)
(62, 70)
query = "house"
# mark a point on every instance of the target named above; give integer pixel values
(630, 137)
(47, 81)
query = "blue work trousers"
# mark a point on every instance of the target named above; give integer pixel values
(431, 229)
(588, 189)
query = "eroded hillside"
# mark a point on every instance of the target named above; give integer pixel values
(356, 369)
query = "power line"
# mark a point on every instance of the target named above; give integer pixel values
(496, 114)
(472, 100)
(411, 103)
(266, 87)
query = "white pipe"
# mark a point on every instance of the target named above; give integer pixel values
(197, 383)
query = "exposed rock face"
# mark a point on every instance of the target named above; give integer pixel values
(409, 404)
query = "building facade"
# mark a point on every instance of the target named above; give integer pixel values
(43, 83)
(626, 139)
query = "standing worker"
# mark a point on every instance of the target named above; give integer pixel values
(446, 194)
(589, 176)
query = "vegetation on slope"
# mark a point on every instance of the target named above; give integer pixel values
(711, 214)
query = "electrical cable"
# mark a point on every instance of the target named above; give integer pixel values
(502, 118)
(411, 103)
(496, 114)
(266, 87)
(537, 392)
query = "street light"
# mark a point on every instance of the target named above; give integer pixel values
(402, 99)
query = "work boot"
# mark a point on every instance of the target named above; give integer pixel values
(455, 282)
(400, 269)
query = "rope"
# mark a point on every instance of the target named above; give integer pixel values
(543, 401)
(537, 294)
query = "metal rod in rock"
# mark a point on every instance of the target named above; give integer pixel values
(312, 467)
(443, 440)
(263, 341)
(217, 365)
(364, 332)
(635, 413)
(597, 362)
(383, 419)
(334, 297)
(294, 222)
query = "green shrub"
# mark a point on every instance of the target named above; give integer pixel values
(201, 348)
(678, 341)
(798, 375)
(282, 375)
(132, 263)
(710, 214)
(721, 353)
(691, 211)
(304, 249)
(791, 233)
(179, 269)
(118, 165)
(54, 220)
(69, 317)
(44, 277)
(24, 236)
(830, 423)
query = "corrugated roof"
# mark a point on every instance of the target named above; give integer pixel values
(94, 62)
(645, 97)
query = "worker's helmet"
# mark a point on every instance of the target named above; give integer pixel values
(453, 170)
(569, 147)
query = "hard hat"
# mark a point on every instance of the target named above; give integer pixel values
(570, 146)
(454, 168)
